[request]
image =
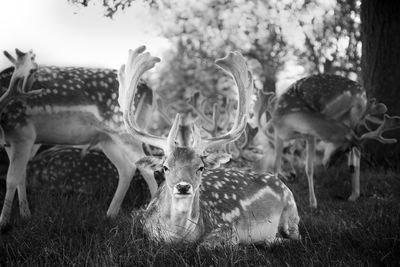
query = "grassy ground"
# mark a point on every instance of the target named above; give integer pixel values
(71, 229)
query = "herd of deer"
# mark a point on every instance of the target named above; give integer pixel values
(199, 200)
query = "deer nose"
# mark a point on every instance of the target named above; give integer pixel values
(183, 188)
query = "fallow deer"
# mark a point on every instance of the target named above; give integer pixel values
(198, 203)
(67, 169)
(329, 108)
(71, 106)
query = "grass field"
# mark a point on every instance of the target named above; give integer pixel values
(71, 229)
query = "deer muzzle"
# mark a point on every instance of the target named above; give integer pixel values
(183, 189)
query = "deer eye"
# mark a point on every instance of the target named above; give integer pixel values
(200, 170)
(165, 169)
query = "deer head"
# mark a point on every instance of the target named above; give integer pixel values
(21, 78)
(370, 117)
(24, 66)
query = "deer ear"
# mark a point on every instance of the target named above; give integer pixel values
(150, 163)
(10, 57)
(19, 53)
(214, 160)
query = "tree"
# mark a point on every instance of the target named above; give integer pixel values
(381, 63)
(332, 41)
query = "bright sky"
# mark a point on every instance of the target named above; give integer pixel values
(66, 35)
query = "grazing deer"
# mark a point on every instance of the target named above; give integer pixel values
(197, 202)
(333, 109)
(67, 106)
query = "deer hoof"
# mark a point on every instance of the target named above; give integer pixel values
(353, 197)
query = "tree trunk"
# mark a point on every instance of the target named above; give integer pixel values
(380, 26)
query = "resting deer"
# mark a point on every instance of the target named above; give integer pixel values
(67, 169)
(71, 106)
(333, 109)
(196, 202)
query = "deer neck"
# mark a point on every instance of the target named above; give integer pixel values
(184, 210)
(179, 216)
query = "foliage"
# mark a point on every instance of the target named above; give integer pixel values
(332, 41)
(326, 36)
(206, 30)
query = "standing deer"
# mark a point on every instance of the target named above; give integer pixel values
(197, 202)
(68, 106)
(333, 109)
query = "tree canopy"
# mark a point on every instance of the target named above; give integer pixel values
(319, 36)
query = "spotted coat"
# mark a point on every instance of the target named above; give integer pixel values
(306, 94)
(236, 202)
(70, 86)
(225, 193)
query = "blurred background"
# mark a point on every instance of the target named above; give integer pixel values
(282, 40)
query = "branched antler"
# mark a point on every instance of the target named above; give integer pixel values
(128, 77)
(212, 128)
(235, 65)
(373, 109)
(388, 123)
(140, 62)
(163, 110)
(196, 101)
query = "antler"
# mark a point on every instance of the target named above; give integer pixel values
(225, 118)
(265, 104)
(163, 110)
(211, 125)
(388, 123)
(373, 108)
(194, 102)
(235, 65)
(25, 65)
(128, 77)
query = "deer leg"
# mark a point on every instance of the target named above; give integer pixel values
(23, 200)
(217, 238)
(21, 189)
(310, 170)
(354, 164)
(126, 170)
(19, 154)
(278, 154)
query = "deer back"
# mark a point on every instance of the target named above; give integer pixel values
(70, 89)
(331, 96)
